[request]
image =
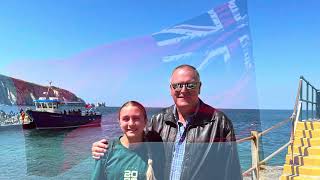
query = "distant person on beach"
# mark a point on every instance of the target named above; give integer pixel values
(199, 140)
(129, 156)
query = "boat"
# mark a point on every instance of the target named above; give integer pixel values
(55, 113)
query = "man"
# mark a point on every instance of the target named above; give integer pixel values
(199, 139)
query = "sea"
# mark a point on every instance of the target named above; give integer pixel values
(66, 154)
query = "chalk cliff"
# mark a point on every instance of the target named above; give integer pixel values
(18, 92)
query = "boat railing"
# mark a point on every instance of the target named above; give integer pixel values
(310, 97)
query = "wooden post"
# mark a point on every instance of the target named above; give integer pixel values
(255, 154)
(318, 105)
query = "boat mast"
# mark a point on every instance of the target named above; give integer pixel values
(49, 87)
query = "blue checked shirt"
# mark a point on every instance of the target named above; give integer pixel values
(179, 147)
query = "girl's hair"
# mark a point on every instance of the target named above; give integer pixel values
(149, 173)
(136, 104)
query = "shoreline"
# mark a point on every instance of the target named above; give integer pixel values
(268, 173)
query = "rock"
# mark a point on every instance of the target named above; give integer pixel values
(18, 92)
(269, 173)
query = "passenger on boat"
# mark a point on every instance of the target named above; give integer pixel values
(130, 156)
(22, 114)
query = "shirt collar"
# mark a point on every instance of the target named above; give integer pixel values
(189, 118)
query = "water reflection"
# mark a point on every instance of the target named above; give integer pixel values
(52, 152)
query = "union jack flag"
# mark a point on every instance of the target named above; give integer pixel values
(214, 35)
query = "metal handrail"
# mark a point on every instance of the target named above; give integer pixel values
(296, 115)
(275, 153)
(261, 134)
(307, 100)
(244, 139)
(248, 170)
(304, 79)
(274, 127)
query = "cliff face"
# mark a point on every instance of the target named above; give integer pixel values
(17, 92)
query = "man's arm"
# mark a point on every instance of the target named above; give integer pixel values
(233, 161)
(99, 171)
(100, 168)
(99, 148)
(228, 131)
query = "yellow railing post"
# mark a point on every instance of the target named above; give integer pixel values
(255, 154)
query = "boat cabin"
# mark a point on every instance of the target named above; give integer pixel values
(55, 105)
(47, 105)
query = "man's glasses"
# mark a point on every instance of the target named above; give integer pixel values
(188, 86)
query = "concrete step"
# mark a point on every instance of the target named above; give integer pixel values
(307, 133)
(304, 160)
(308, 125)
(301, 170)
(296, 177)
(306, 153)
(305, 150)
(307, 142)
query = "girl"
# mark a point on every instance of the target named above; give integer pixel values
(127, 157)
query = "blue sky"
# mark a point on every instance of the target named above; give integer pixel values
(284, 39)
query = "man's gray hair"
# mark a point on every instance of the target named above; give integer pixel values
(187, 66)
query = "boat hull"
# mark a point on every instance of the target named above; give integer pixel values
(49, 120)
(30, 125)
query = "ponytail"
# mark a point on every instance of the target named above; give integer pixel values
(150, 173)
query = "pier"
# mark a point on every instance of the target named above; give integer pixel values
(303, 156)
